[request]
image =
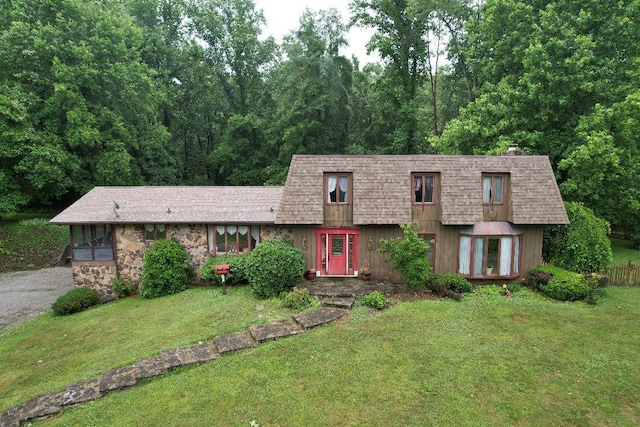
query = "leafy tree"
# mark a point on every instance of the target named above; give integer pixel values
(540, 66)
(409, 256)
(311, 89)
(582, 245)
(604, 171)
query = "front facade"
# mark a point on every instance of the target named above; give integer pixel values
(483, 216)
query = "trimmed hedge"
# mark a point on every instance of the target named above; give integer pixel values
(274, 266)
(167, 269)
(74, 301)
(564, 285)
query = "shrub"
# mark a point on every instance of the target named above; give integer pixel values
(375, 299)
(123, 288)
(273, 267)
(74, 301)
(558, 283)
(298, 299)
(409, 256)
(237, 264)
(448, 285)
(580, 246)
(166, 269)
(597, 283)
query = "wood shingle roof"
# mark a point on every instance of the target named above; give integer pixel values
(382, 183)
(186, 205)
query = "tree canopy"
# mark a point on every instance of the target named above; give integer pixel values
(192, 92)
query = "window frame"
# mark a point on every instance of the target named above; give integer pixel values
(338, 176)
(424, 176)
(515, 256)
(94, 243)
(212, 239)
(492, 190)
(156, 234)
(432, 241)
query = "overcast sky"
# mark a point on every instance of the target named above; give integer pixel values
(283, 16)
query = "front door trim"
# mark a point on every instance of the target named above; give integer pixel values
(323, 250)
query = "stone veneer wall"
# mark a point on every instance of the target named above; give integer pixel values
(268, 232)
(130, 247)
(95, 276)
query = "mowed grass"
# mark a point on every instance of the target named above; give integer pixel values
(45, 354)
(623, 252)
(486, 361)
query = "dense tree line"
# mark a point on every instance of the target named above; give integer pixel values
(161, 92)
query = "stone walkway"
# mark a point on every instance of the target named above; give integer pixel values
(338, 295)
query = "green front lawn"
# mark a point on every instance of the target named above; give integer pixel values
(623, 252)
(485, 361)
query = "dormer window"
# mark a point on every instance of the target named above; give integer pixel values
(337, 188)
(423, 187)
(492, 189)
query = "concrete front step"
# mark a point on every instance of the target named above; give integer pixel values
(339, 302)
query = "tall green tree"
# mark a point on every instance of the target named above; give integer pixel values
(541, 65)
(312, 89)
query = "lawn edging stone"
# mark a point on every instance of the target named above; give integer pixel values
(49, 404)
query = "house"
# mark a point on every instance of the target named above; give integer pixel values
(483, 215)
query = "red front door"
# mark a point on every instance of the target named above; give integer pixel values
(337, 260)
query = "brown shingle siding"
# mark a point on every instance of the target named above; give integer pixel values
(382, 195)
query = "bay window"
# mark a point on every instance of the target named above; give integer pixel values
(489, 250)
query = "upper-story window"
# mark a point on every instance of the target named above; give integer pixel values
(337, 188)
(92, 242)
(423, 187)
(492, 189)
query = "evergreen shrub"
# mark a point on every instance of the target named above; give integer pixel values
(298, 299)
(74, 301)
(564, 285)
(123, 288)
(375, 299)
(273, 267)
(238, 267)
(166, 269)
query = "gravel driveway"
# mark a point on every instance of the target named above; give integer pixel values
(27, 294)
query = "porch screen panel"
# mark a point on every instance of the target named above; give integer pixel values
(464, 255)
(505, 256)
(478, 256)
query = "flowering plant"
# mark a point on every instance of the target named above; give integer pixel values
(365, 271)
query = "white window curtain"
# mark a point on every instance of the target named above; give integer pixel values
(255, 233)
(516, 256)
(464, 255)
(486, 189)
(243, 230)
(331, 187)
(160, 228)
(343, 189)
(231, 229)
(417, 185)
(220, 230)
(478, 256)
(505, 256)
(497, 197)
(148, 228)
